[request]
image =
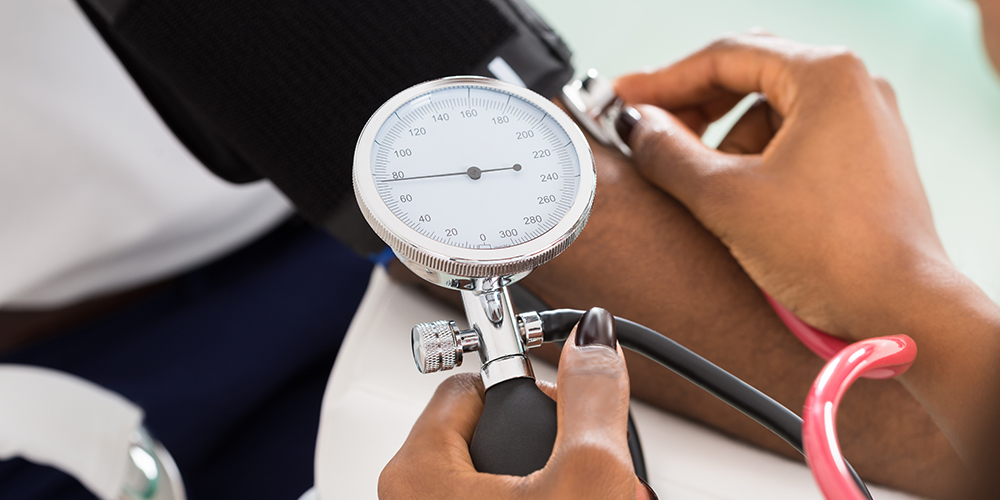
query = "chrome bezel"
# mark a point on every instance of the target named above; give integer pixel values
(468, 262)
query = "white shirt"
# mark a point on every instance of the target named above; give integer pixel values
(96, 194)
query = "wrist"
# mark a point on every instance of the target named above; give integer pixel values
(911, 293)
(956, 376)
(932, 302)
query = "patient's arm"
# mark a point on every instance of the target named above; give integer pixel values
(655, 264)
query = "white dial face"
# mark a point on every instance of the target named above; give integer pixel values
(475, 167)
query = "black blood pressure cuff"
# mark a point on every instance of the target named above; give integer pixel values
(282, 88)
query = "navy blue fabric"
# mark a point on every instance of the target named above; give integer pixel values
(229, 362)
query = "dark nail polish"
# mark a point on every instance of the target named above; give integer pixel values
(626, 121)
(652, 494)
(597, 327)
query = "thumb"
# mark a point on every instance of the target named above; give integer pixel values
(592, 400)
(449, 420)
(674, 159)
(434, 461)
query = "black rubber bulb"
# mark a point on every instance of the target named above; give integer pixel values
(516, 431)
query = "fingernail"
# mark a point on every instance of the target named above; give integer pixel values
(626, 121)
(596, 327)
(649, 489)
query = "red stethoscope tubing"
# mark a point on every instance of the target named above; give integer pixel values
(877, 358)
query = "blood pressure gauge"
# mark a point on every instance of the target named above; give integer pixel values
(473, 178)
(473, 183)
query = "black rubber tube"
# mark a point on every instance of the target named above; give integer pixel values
(558, 323)
(635, 449)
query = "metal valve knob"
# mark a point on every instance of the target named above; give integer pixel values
(439, 345)
(530, 326)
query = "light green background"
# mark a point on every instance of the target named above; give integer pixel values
(930, 50)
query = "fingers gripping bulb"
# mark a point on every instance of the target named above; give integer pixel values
(440, 345)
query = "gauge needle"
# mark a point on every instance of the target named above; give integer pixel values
(474, 173)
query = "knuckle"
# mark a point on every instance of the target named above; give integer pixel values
(882, 82)
(649, 142)
(756, 39)
(720, 43)
(461, 383)
(885, 88)
(598, 460)
(585, 452)
(759, 31)
(841, 60)
(402, 479)
(390, 481)
(833, 69)
(728, 42)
